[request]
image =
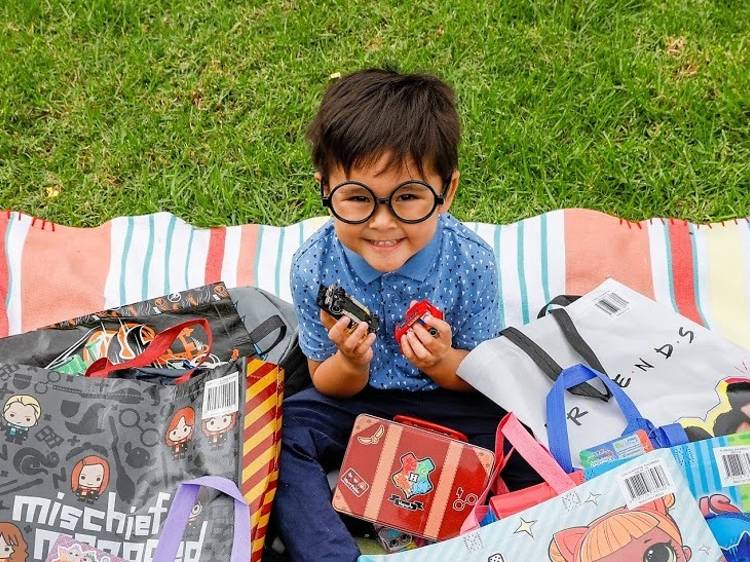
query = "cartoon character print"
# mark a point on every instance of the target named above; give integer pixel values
(644, 534)
(90, 478)
(77, 553)
(731, 415)
(20, 413)
(217, 428)
(729, 525)
(70, 554)
(194, 519)
(180, 432)
(126, 342)
(13, 547)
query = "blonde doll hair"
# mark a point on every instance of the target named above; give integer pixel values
(24, 400)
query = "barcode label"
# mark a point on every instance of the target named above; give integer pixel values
(612, 304)
(645, 483)
(734, 465)
(221, 396)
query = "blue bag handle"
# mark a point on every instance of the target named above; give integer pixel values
(557, 429)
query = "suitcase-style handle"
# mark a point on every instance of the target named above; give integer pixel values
(430, 426)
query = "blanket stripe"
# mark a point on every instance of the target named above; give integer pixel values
(4, 278)
(50, 272)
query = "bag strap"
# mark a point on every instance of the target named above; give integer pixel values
(540, 357)
(265, 329)
(431, 426)
(530, 450)
(162, 342)
(559, 300)
(177, 519)
(574, 338)
(557, 428)
(670, 435)
(546, 364)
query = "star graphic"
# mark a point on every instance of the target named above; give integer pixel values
(593, 498)
(525, 527)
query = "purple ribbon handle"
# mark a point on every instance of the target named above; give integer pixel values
(179, 512)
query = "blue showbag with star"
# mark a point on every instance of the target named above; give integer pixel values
(641, 510)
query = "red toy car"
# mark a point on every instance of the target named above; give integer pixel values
(416, 313)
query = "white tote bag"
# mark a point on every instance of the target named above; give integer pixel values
(673, 369)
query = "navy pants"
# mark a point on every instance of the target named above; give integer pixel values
(315, 434)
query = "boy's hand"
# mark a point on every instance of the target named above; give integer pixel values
(424, 350)
(355, 347)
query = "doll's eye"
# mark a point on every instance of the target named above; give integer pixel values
(662, 552)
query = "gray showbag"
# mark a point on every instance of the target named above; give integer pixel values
(100, 459)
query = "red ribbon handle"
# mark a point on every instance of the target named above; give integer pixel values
(162, 342)
(430, 426)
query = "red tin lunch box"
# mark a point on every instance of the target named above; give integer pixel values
(411, 475)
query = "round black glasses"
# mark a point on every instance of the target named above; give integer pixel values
(412, 201)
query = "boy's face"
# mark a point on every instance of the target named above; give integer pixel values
(383, 241)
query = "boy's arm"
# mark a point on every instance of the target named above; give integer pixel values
(444, 373)
(435, 356)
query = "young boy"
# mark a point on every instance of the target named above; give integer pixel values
(385, 147)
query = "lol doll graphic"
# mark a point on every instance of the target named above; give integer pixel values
(644, 534)
(217, 428)
(13, 547)
(20, 413)
(90, 478)
(180, 432)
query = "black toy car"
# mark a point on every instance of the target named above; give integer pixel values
(336, 302)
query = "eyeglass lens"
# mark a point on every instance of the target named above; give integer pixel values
(410, 202)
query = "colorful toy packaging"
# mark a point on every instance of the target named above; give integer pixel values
(718, 474)
(120, 334)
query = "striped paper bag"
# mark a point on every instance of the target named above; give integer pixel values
(261, 445)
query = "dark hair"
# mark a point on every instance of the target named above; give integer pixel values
(367, 113)
(729, 422)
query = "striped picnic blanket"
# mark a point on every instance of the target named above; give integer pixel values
(51, 272)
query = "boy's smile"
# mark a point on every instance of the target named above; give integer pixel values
(385, 242)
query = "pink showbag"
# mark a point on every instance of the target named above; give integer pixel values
(673, 369)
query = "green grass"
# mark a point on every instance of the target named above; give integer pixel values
(116, 107)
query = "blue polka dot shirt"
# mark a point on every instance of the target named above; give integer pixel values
(456, 272)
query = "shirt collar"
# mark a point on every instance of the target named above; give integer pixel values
(416, 267)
